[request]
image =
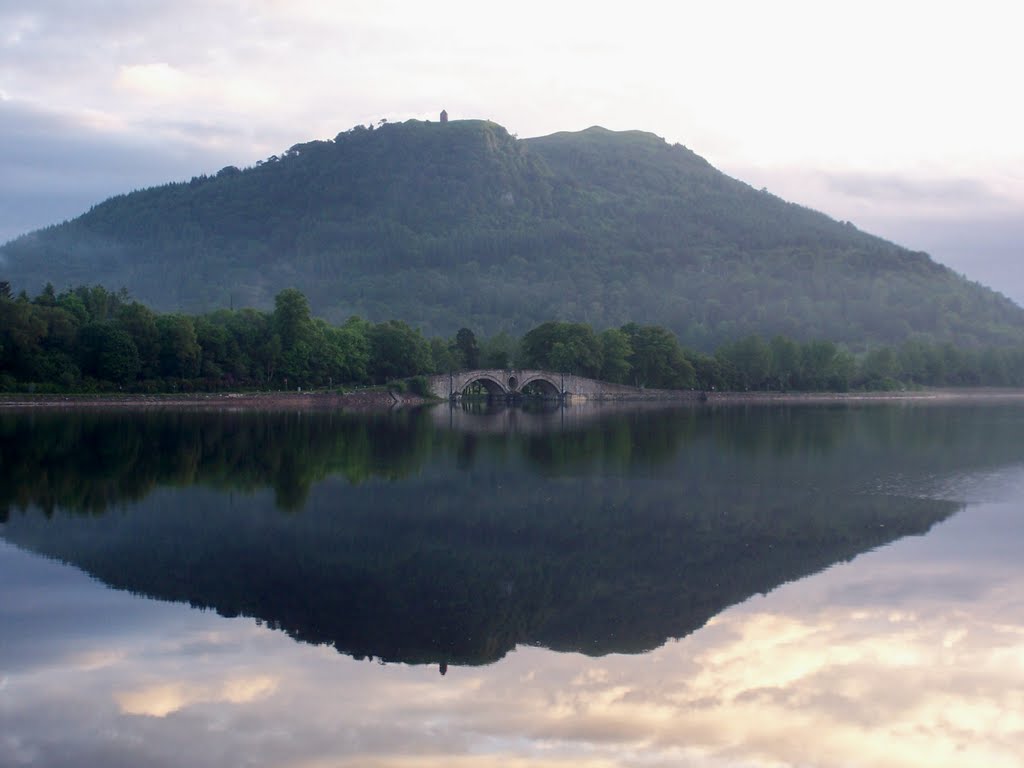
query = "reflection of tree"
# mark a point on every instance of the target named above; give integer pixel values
(88, 461)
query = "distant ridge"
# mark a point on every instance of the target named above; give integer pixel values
(461, 224)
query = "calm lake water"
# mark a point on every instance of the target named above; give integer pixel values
(734, 586)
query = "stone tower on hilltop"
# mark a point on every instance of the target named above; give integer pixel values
(444, 116)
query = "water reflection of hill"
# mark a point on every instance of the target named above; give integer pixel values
(608, 537)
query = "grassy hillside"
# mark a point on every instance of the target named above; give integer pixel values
(464, 225)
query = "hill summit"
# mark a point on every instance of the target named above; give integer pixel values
(462, 224)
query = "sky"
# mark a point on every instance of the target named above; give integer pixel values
(902, 117)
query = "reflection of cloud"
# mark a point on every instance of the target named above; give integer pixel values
(450, 761)
(893, 688)
(163, 699)
(155, 701)
(96, 659)
(881, 679)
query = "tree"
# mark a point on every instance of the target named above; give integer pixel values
(140, 323)
(100, 304)
(346, 353)
(615, 354)
(784, 363)
(569, 347)
(108, 353)
(878, 369)
(499, 351)
(444, 356)
(179, 347)
(268, 357)
(820, 367)
(749, 359)
(291, 319)
(22, 331)
(47, 298)
(467, 349)
(397, 351)
(708, 372)
(657, 360)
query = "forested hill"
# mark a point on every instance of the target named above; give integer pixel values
(461, 224)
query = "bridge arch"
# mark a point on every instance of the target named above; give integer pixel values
(546, 384)
(504, 382)
(491, 383)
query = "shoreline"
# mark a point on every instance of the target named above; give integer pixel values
(241, 401)
(387, 400)
(939, 395)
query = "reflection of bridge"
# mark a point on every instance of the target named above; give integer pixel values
(512, 382)
(505, 420)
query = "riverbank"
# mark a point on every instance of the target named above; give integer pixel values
(360, 400)
(966, 394)
(378, 399)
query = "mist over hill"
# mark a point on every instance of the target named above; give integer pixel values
(462, 224)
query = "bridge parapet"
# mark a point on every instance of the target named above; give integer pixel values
(510, 382)
(497, 381)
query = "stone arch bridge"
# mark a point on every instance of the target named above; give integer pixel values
(511, 382)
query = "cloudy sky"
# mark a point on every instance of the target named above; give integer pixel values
(903, 117)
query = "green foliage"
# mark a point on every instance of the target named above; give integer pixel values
(291, 320)
(657, 359)
(179, 350)
(419, 385)
(500, 351)
(87, 339)
(107, 353)
(467, 349)
(616, 352)
(462, 225)
(879, 369)
(567, 347)
(345, 353)
(444, 356)
(749, 361)
(397, 351)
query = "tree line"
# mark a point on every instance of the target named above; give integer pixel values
(90, 339)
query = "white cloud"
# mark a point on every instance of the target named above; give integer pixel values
(159, 79)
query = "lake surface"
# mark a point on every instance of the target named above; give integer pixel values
(737, 587)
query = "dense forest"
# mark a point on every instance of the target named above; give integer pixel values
(87, 339)
(464, 225)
